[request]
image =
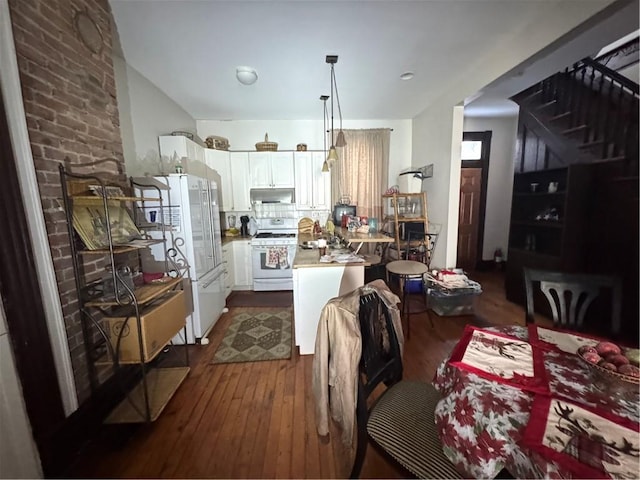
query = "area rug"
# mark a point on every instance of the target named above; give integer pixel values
(254, 337)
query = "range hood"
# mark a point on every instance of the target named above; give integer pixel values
(272, 195)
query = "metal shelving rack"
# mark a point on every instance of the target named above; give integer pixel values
(401, 209)
(115, 313)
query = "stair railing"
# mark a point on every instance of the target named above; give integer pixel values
(598, 101)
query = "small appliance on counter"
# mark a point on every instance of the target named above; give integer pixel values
(340, 210)
(244, 226)
(232, 231)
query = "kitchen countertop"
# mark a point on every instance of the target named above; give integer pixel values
(354, 237)
(228, 239)
(306, 258)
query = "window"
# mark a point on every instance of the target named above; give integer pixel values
(471, 150)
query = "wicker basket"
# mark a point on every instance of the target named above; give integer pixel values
(266, 146)
(607, 372)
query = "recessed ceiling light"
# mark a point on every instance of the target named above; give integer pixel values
(406, 76)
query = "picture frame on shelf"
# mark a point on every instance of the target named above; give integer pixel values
(90, 222)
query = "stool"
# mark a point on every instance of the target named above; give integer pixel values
(406, 270)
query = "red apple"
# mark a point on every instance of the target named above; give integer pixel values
(630, 370)
(605, 348)
(592, 357)
(608, 365)
(617, 359)
(586, 349)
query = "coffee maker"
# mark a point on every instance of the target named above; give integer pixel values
(244, 225)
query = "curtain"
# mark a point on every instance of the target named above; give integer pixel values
(362, 170)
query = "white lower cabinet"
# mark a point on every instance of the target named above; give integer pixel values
(243, 272)
(229, 277)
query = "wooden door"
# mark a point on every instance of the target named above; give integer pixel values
(469, 217)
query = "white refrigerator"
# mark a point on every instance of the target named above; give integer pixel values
(190, 218)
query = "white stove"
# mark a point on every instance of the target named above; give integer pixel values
(274, 238)
(273, 250)
(276, 231)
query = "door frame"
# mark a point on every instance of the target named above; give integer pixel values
(482, 163)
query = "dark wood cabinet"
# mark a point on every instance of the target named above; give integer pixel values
(549, 218)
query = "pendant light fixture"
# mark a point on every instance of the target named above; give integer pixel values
(340, 141)
(333, 155)
(325, 164)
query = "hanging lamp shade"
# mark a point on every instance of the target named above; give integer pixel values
(325, 164)
(340, 140)
(333, 155)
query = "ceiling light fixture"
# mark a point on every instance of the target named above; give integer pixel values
(406, 76)
(325, 164)
(340, 142)
(246, 75)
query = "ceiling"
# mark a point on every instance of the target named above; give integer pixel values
(190, 50)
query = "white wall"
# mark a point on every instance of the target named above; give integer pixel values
(18, 453)
(436, 132)
(243, 135)
(145, 113)
(500, 181)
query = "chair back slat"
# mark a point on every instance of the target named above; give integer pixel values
(577, 296)
(570, 296)
(401, 418)
(380, 360)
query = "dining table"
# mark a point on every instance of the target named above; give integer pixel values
(519, 398)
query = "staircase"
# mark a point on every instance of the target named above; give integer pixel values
(585, 114)
(589, 114)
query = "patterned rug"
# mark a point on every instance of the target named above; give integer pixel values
(256, 337)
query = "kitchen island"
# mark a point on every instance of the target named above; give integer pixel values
(315, 283)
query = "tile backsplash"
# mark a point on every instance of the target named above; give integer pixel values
(275, 211)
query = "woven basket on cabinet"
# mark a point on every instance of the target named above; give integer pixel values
(266, 146)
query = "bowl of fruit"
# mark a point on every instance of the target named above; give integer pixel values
(612, 360)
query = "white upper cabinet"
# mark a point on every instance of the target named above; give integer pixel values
(219, 161)
(175, 148)
(241, 181)
(313, 188)
(233, 168)
(271, 169)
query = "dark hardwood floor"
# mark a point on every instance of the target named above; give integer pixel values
(256, 420)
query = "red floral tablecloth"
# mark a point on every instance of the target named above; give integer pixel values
(482, 422)
(501, 358)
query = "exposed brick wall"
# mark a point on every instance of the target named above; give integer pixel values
(71, 110)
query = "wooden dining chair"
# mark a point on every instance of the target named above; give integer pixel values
(570, 295)
(401, 421)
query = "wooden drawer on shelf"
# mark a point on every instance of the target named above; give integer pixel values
(159, 322)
